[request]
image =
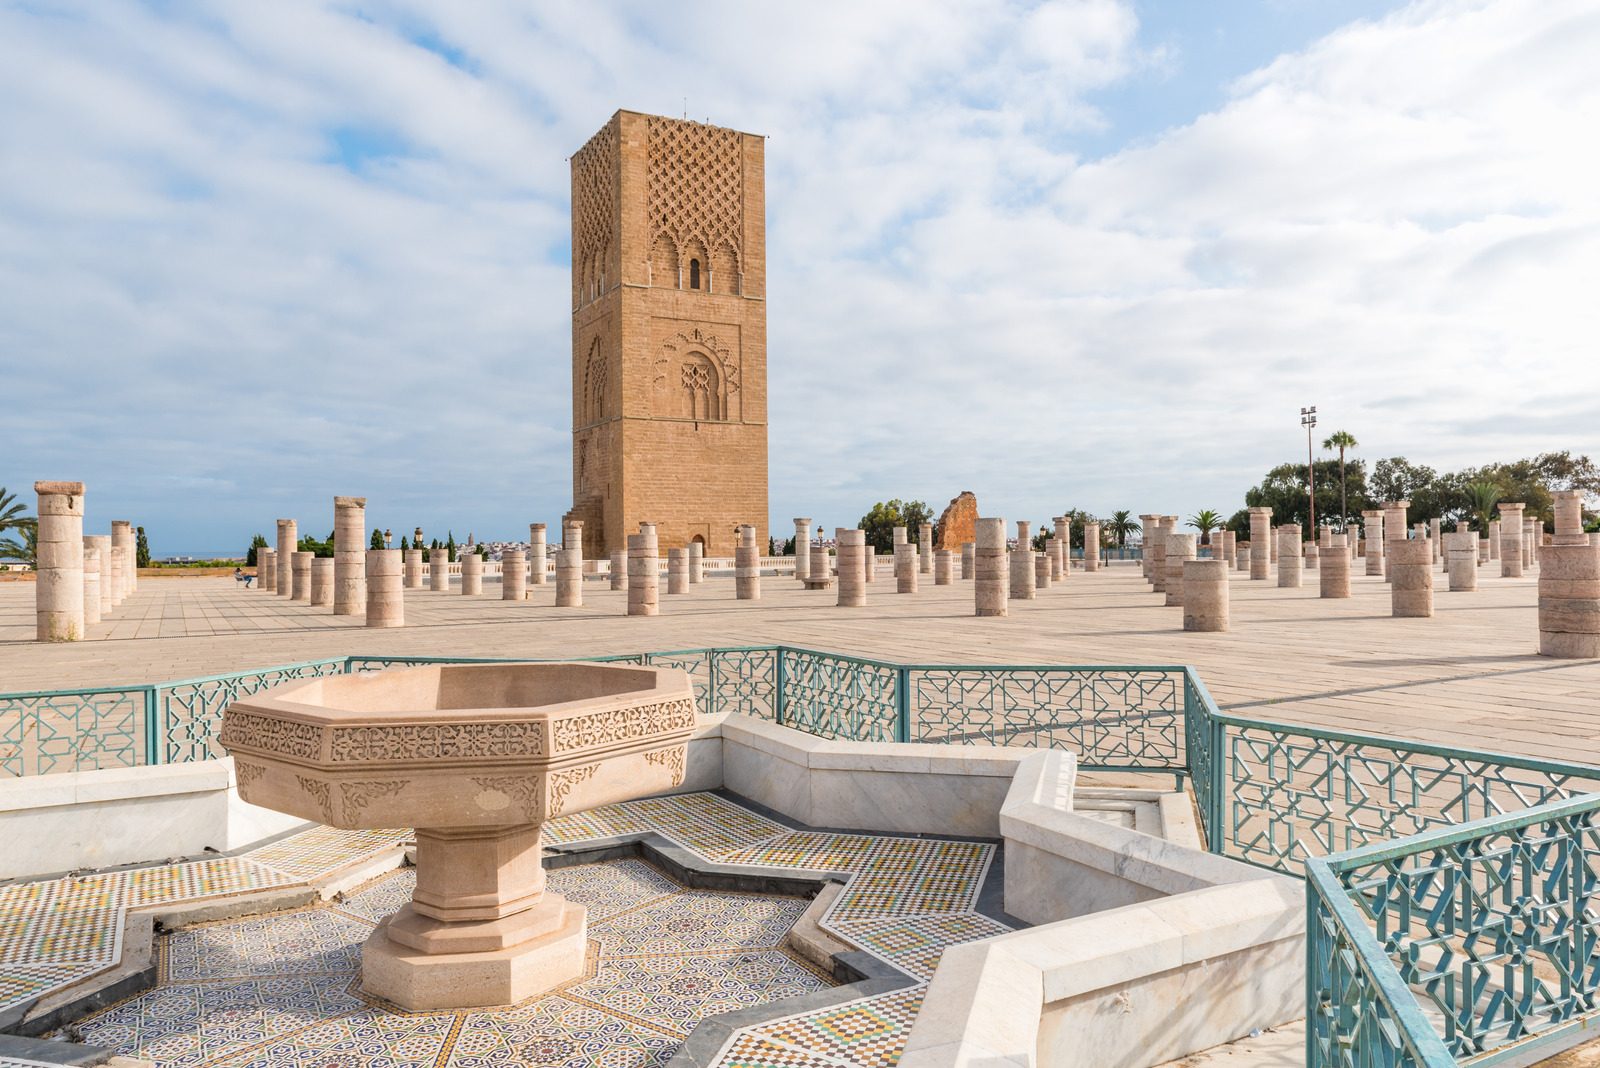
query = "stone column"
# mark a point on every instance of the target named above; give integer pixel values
(1494, 539)
(1483, 551)
(821, 569)
(644, 573)
(925, 548)
(1242, 557)
(747, 566)
(1147, 527)
(569, 578)
(1289, 547)
(1569, 585)
(1333, 575)
(1436, 539)
(572, 536)
(413, 569)
(1062, 543)
(1531, 529)
(619, 569)
(905, 568)
(1205, 594)
(288, 545)
(1042, 564)
(1373, 526)
(513, 575)
(677, 571)
(536, 555)
(102, 545)
(1309, 555)
(852, 564)
(1461, 558)
(1091, 547)
(122, 537)
(1229, 544)
(1260, 537)
(1180, 548)
(438, 570)
(802, 549)
(969, 553)
(1411, 576)
(900, 537)
(300, 575)
(349, 545)
(943, 567)
(1510, 540)
(869, 563)
(91, 582)
(386, 604)
(1394, 529)
(990, 567)
(321, 580)
(1021, 572)
(471, 574)
(266, 567)
(697, 562)
(1155, 552)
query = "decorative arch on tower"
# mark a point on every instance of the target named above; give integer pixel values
(696, 377)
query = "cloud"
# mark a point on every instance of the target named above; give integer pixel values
(255, 255)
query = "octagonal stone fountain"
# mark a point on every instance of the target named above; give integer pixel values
(476, 758)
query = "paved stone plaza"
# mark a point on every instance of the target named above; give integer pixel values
(1468, 676)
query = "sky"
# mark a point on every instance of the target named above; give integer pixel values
(1073, 254)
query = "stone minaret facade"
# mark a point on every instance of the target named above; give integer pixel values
(669, 334)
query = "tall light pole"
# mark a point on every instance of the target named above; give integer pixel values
(1308, 419)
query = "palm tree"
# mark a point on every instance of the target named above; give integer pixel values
(1120, 525)
(13, 517)
(1341, 440)
(1482, 497)
(1205, 522)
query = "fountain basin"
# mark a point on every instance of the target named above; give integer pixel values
(476, 757)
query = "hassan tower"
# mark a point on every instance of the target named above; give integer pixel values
(669, 334)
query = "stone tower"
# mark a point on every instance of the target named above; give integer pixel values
(669, 334)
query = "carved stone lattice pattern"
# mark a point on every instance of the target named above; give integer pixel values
(596, 206)
(426, 741)
(521, 789)
(358, 795)
(248, 773)
(706, 382)
(596, 383)
(671, 759)
(242, 730)
(562, 782)
(620, 724)
(321, 793)
(696, 184)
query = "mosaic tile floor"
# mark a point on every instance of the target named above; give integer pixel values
(281, 991)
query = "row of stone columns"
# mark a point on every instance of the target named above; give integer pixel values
(80, 578)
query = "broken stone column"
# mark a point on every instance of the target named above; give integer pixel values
(91, 582)
(1204, 588)
(1510, 540)
(1241, 556)
(697, 562)
(349, 545)
(821, 569)
(1155, 551)
(1373, 526)
(471, 575)
(513, 575)
(969, 555)
(1411, 578)
(122, 537)
(1042, 563)
(619, 569)
(1260, 539)
(300, 576)
(438, 569)
(1289, 548)
(1494, 539)
(747, 566)
(1229, 546)
(1461, 558)
(990, 568)
(1061, 549)
(1394, 528)
(569, 578)
(1021, 571)
(413, 568)
(266, 567)
(1091, 547)
(1483, 551)
(943, 567)
(102, 545)
(1180, 548)
(1531, 530)
(802, 549)
(572, 536)
(1333, 576)
(1569, 585)
(383, 586)
(321, 581)
(905, 568)
(58, 562)
(852, 567)
(677, 571)
(644, 572)
(869, 564)
(288, 545)
(1436, 539)
(1147, 526)
(925, 548)
(536, 554)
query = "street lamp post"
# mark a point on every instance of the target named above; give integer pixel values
(388, 538)
(1308, 419)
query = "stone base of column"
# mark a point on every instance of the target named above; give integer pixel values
(1205, 595)
(1411, 578)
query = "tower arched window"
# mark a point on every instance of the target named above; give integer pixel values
(694, 274)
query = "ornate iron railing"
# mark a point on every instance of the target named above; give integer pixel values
(75, 730)
(189, 713)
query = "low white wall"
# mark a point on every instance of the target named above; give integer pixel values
(97, 819)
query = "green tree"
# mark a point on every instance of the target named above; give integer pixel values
(1481, 498)
(879, 523)
(1341, 440)
(1120, 525)
(1042, 539)
(405, 543)
(14, 517)
(141, 549)
(257, 542)
(376, 541)
(1205, 522)
(450, 547)
(1284, 491)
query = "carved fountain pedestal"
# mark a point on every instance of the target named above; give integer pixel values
(477, 758)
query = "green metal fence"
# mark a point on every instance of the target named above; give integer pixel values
(1453, 895)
